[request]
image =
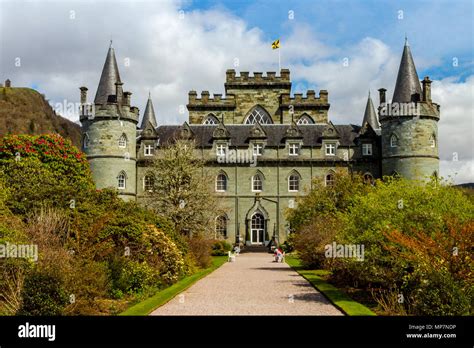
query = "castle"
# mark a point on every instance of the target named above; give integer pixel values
(263, 146)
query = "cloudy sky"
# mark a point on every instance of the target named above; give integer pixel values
(171, 47)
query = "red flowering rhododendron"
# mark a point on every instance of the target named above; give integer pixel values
(56, 153)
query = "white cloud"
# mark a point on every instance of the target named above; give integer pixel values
(171, 55)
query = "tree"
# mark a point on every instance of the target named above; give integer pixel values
(182, 189)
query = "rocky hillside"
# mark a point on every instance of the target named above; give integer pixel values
(25, 111)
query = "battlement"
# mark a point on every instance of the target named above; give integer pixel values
(258, 79)
(309, 100)
(206, 102)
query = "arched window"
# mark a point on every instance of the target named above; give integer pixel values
(432, 141)
(221, 182)
(329, 180)
(258, 114)
(294, 182)
(149, 182)
(305, 119)
(211, 119)
(121, 180)
(221, 226)
(85, 141)
(393, 140)
(257, 183)
(122, 143)
(368, 178)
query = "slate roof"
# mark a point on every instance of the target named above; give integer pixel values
(240, 134)
(110, 75)
(149, 114)
(407, 79)
(370, 116)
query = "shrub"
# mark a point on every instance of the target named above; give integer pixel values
(200, 248)
(311, 239)
(135, 276)
(220, 248)
(43, 294)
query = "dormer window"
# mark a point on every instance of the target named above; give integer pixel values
(393, 141)
(257, 149)
(293, 149)
(148, 150)
(366, 149)
(221, 149)
(330, 149)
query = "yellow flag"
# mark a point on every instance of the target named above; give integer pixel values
(276, 44)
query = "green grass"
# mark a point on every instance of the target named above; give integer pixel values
(336, 296)
(161, 297)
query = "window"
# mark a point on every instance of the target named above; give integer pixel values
(121, 181)
(221, 182)
(148, 150)
(257, 149)
(305, 119)
(221, 226)
(393, 141)
(259, 115)
(257, 183)
(220, 149)
(293, 149)
(294, 182)
(330, 149)
(149, 182)
(432, 141)
(122, 141)
(85, 141)
(329, 179)
(367, 149)
(211, 120)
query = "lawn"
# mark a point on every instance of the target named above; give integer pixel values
(335, 295)
(160, 298)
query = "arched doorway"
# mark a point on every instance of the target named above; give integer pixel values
(257, 228)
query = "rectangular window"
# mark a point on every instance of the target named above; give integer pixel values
(330, 149)
(293, 149)
(257, 149)
(148, 150)
(367, 149)
(220, 150)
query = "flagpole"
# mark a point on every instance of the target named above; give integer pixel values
(279, 60)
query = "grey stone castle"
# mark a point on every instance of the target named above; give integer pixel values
(263, 146)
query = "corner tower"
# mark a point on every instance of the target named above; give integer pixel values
(109, 128)
(409, 125)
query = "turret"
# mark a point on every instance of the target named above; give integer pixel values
(149, 115)
(109, 132)
(409, 125)
(370, 116)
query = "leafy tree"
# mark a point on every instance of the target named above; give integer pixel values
(183, 190)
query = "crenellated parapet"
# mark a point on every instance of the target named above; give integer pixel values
(244, 80)
(214, 103)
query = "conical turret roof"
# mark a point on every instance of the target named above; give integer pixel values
(407, 79)
(149, 114)
(370, 116)
(110, 75)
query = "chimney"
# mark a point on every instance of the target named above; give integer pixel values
(127, 98)
(119, 92)
(426, 89)
(382, 95)
(83, 94)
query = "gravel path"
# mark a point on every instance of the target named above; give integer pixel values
(252, 285)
